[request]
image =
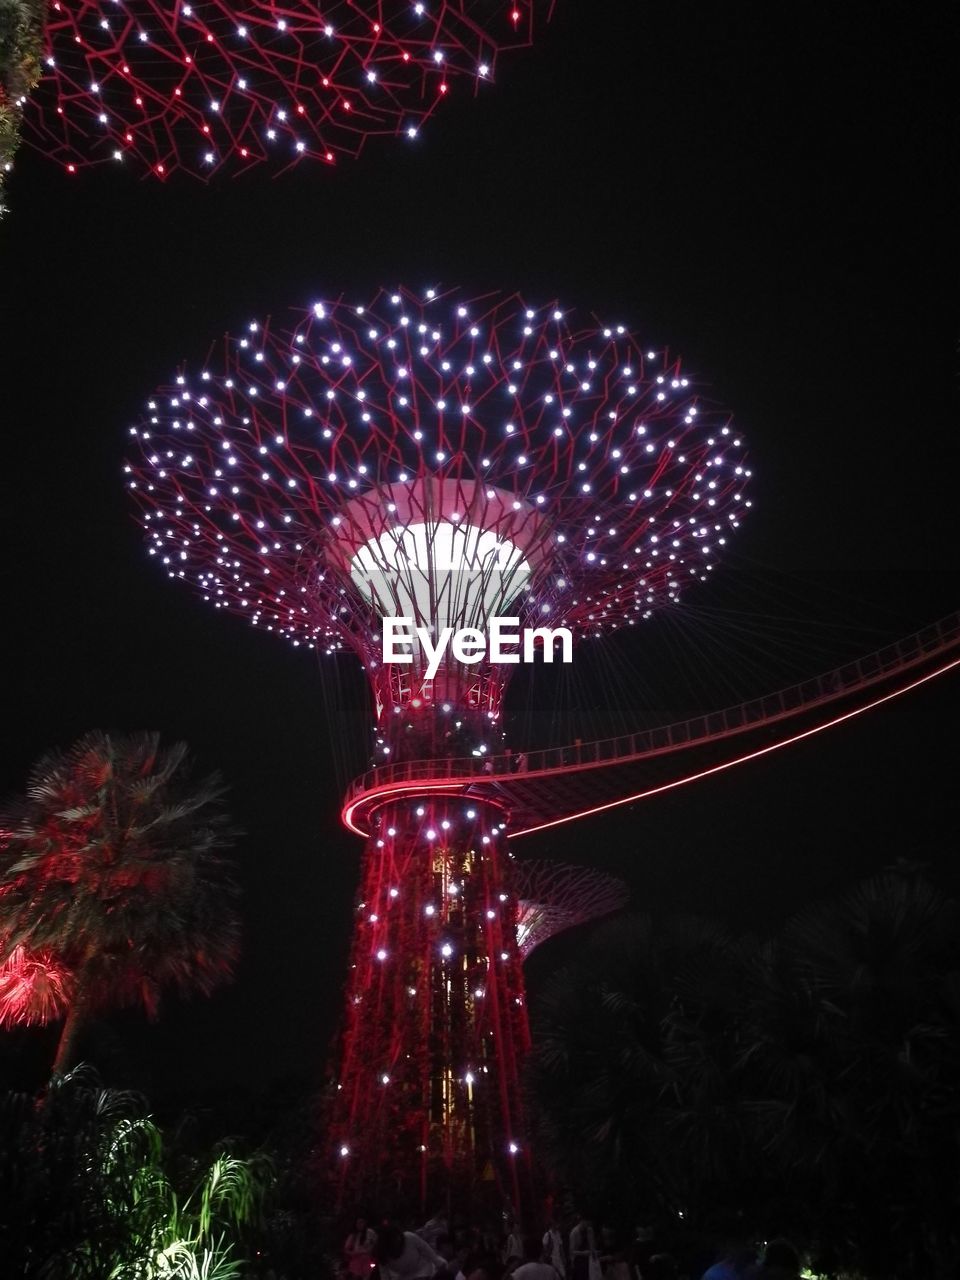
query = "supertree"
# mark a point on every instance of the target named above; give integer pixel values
(211, 84)
(449, 461)
(553, 897)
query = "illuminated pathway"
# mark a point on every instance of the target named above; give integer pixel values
(561, 784)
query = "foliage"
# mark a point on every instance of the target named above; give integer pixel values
(21, 42)
(811, 1083)
(31, 989)
(112, 884)
(89, 1188)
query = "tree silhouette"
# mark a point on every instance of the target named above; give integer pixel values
(808, 1083)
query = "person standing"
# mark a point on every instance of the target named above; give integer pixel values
(553, 1248)
(358, 1249)
(433, 1228)
(513, 1251)
(536, 1264)
(583, 1247)
(403, 1255)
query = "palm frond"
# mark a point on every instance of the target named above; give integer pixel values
(113, 880)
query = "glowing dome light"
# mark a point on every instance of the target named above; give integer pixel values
(440, 574)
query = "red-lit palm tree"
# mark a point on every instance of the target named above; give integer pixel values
(31, 989)
(113, 884)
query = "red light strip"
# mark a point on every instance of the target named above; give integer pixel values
(411, 789)
(751, 755)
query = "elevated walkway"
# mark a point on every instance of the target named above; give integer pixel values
(560, 784)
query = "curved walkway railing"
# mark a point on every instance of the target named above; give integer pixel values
(937, 638)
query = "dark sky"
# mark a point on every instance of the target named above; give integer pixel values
(770, 189)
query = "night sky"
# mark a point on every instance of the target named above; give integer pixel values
(771, 190)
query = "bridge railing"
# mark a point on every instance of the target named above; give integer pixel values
(937, 637)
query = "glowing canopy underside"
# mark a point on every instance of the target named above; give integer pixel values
(582, 466)
(553, 897)
(441, 575)
(444, 553)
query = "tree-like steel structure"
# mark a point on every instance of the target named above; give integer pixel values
(553, 897)
(449, 461)
(209, 84)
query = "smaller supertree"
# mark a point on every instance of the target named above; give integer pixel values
(112, 885)
(552, 897)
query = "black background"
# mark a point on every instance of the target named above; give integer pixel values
(770, 189)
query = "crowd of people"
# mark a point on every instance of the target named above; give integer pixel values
(448, 1248)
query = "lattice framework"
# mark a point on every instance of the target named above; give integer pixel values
(211, 84)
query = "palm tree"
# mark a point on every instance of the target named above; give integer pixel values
(31, 989)
(112, 884)
(91, 1187)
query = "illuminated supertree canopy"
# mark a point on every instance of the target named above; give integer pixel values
(212, 85)
(553, 897)
(439, 458)
(450, 461)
